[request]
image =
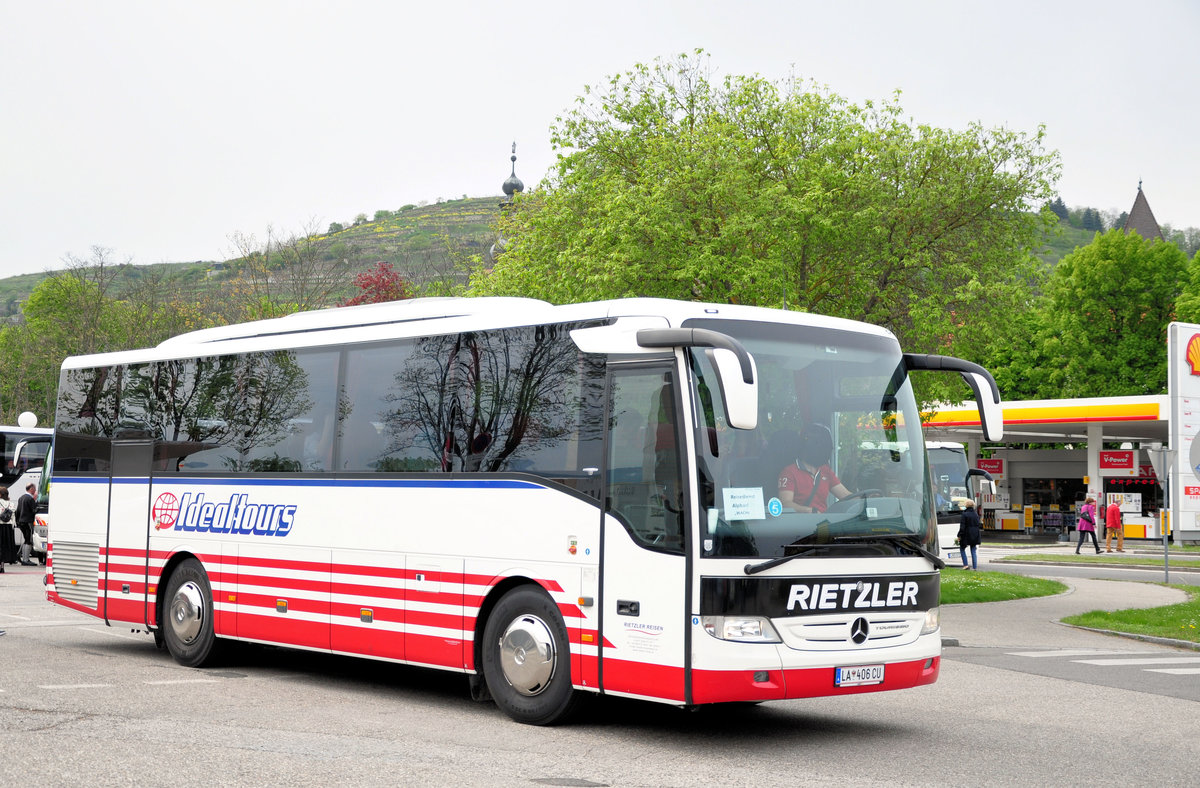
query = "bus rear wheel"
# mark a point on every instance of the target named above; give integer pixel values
(527, 658)
(187, 615)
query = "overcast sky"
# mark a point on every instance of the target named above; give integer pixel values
(158, 129)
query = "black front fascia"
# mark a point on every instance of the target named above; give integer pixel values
(781, 597)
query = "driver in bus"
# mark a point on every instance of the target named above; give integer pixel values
(806, 484)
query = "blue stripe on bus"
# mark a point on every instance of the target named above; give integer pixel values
(487, 484)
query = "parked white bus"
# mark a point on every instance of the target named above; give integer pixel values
(553, 500)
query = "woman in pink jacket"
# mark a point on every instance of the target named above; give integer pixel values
(1087, 524)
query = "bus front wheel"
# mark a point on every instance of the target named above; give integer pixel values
(187, 618)
(527, 658)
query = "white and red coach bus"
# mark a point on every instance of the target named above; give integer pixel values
(552, 500)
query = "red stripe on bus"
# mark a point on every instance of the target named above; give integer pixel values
(643, 678)
(351, 610)
(369, 571)
(718, 686)
(54, 597)
(453, 621)
(117, 587)
(368, 642)
(281, 583)
(132, 611)
(284, 631)
(432, 650)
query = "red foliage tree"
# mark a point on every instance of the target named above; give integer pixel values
(379, 284)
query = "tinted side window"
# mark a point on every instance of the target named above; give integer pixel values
(528, 400)
(86, 418)
(395, 415)
(257, 412)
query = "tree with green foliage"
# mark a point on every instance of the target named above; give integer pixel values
(1058, 208)
(1104, 319)
(742, 190)
(82, 310)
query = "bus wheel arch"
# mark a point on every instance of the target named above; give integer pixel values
(525, 655)
(185, 612)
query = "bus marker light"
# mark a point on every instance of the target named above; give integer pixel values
(585, 601)
(232, 597)
(587, 638)
(366, 615)
(280, 605)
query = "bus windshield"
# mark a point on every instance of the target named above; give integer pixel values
(837, 458)
(948, 468)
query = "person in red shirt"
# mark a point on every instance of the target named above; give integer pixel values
(806, 484)
(1112, 521)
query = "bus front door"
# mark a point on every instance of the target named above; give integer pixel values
(643, 580)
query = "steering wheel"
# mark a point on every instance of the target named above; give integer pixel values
(868, 493)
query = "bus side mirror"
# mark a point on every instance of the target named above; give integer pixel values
(991, 416)
(739, 397)
(985, 482)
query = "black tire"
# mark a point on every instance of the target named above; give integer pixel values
(186, 616)
(534, 691)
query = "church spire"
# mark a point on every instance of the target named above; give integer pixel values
(1141, 219)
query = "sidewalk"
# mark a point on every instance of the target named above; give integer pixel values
(1036, 622)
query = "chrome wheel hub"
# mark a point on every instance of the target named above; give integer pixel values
(186, 615)
(527, 655)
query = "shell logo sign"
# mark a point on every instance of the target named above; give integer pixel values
(1193, 354)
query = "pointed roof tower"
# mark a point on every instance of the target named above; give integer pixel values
(1141, 219)
(512, 185)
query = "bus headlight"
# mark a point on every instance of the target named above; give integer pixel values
(744, 629)
(931, 621)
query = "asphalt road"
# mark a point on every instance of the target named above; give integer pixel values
(81, 703)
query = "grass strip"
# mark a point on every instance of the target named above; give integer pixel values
(960, 586)
(1103, 558)
(1179, 622)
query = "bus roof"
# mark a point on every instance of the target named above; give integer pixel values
(427, 316)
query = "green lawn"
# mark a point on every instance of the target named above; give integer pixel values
(1180, 622)
(1143, 559)
(959, 586)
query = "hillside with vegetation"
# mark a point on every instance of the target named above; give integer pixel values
(424, 243)
(431, 244)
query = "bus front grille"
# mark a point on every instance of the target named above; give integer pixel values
(76, 568)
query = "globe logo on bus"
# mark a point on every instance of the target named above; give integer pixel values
(165, 511)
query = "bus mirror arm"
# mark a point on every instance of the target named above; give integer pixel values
(732, 362)
(983, 385)
(698, 337)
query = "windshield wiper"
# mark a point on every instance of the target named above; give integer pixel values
(904, 540)
(753, 569)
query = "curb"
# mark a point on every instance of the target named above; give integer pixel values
(1159, 641)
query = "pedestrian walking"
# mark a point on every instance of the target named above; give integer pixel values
(1087, 524)
(8, 542)
(26, 511)
(1113, 524)
(970, 533)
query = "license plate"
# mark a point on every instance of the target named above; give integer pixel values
(858, 675)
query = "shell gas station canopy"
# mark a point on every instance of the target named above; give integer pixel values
(1112, 419)
(1163, 430)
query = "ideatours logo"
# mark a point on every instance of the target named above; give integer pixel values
(190, 512)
